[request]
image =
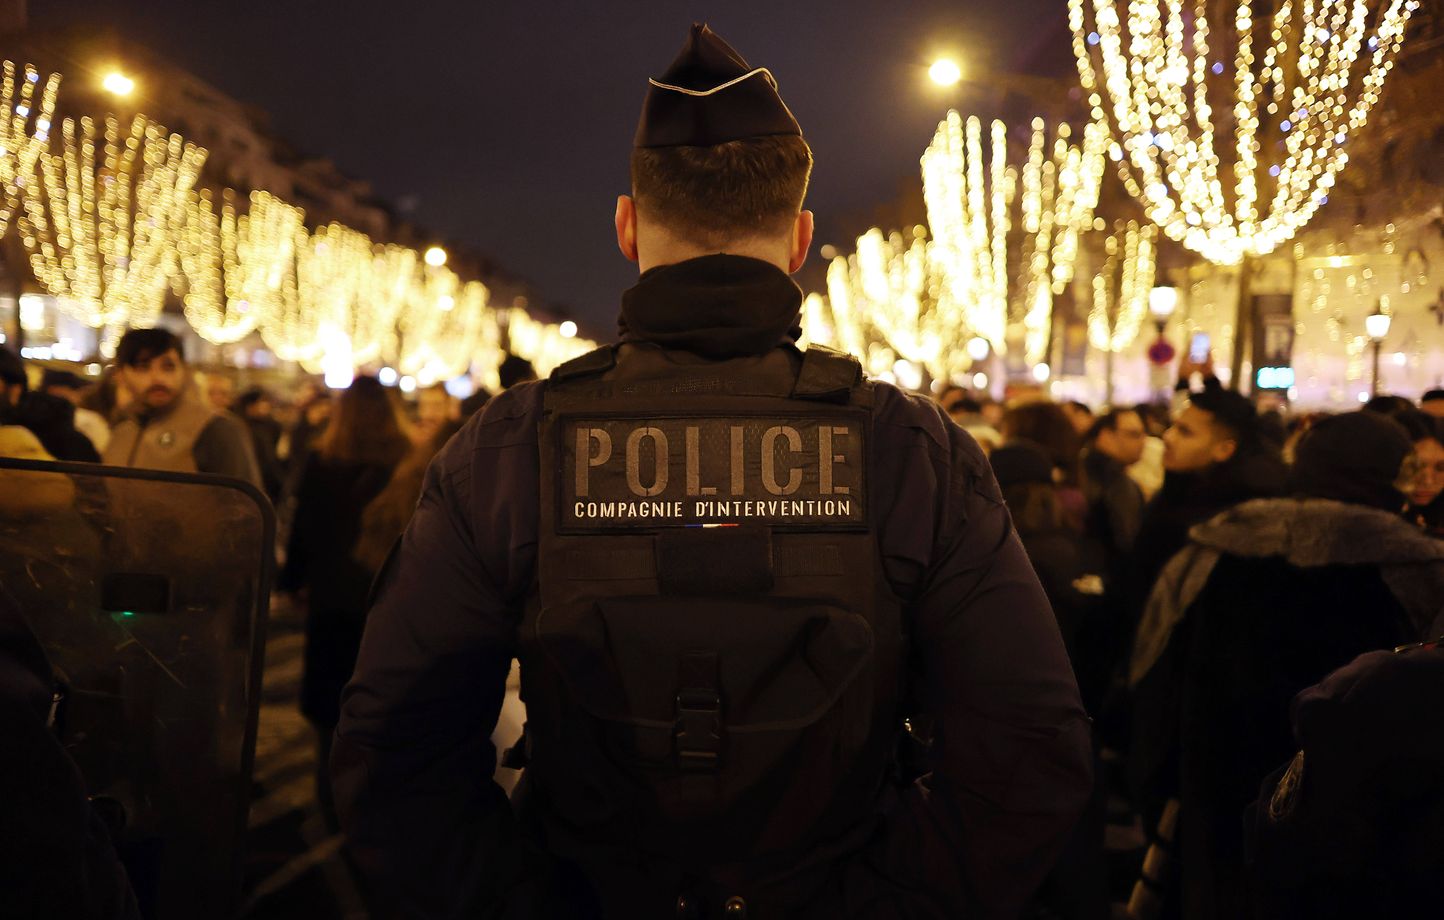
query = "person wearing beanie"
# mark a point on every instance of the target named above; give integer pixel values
(671, 534)
(1265, 600)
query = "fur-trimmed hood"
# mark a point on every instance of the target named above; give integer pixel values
(1312, 532)
(1306, 533)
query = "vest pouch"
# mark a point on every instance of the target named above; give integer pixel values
(698, 722)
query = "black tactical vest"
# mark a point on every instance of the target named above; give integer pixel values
(712, 666)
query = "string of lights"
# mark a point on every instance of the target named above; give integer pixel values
(112, 223)
(24, 130)
(102, 234)
(232, 266)
(975, 202)
(1302, 82)
(1121, 287)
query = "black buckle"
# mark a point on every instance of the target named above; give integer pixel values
(698, 731)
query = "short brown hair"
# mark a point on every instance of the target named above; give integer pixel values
(736, 190)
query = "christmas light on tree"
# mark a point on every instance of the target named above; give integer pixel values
(975, 202)
(24, 131)
(103, 235)
(1288, 90)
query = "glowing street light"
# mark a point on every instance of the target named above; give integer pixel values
(1377, 326)
(435, 256)
(118, 84)
(568, 329)
(945, 72)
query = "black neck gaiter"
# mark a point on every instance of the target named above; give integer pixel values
(719, 307)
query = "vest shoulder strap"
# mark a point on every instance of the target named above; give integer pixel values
(827, 375)
(597, 361)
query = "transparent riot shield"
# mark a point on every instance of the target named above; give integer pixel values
(149, 593)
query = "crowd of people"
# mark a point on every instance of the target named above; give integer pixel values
(1207, 563)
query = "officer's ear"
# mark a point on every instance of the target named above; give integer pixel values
(801, 241)
(626, 221)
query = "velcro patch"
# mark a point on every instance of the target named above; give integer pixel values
(640, 473)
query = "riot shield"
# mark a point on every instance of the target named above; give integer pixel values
(148, 592)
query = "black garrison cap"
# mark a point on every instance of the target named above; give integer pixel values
(710, 96)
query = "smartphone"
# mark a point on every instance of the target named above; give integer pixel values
(1198, 348)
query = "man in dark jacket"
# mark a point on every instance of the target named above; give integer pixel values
(1115, 502)
(1114, 515)
(50, 418)
(719, 174)
(1266, 599)
(1213, 458)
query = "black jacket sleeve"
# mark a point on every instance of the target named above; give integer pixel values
(224, 448)
(412, 761)
(1011, 757)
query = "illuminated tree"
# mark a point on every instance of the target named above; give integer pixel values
(103, 234)
(24, 131)
(1121, 287)
(1296, 86)
(233, 266)
(978, 205)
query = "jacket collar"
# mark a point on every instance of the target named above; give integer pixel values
(719, 306)
(1311, 532)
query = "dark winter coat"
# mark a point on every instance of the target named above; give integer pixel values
(56, 857)
(330, 500)
(52, 420)
(265, 437)
(1187, 500)
(1354, 825)
(1267, 599)
(1115, 505)
(1112, 524)
(1010, 763)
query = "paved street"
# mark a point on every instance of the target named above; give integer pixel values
(293, 864)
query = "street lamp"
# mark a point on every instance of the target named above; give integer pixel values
(945, 72)
(435, 257)
(118, 84)
(1377, 325)
(568, 329)
(1162, 301)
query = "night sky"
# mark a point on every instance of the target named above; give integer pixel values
(507, 126)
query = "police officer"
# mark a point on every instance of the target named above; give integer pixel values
(729, 570)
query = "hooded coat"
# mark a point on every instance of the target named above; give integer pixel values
(1266, 599)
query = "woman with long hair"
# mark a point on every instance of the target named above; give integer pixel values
(355, 458)
(1047, 426)
(388, 513)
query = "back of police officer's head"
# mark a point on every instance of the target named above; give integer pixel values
(718, 165)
